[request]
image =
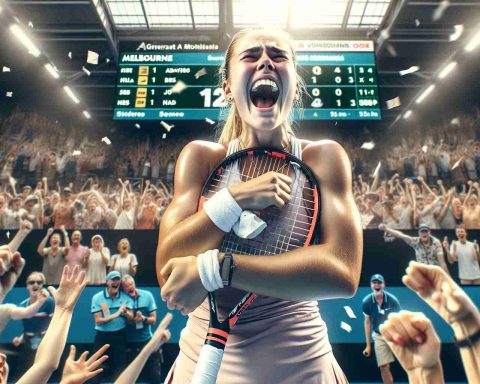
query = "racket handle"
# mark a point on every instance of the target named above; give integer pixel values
(208, 365)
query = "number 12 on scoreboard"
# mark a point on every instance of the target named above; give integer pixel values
(219, 102)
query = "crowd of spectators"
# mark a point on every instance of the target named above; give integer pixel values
(54, 176)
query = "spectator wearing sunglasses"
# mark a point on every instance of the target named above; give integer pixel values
(35, 327)
(377, 306)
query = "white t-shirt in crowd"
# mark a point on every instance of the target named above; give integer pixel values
(125, 219)
(122, 264)
(468, 267)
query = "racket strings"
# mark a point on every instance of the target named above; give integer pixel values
(287, 228)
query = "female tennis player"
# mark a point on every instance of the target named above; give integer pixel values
(280, 337)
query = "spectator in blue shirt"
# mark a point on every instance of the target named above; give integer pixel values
(376, 308)
(111, 309)
(139, 331)
(34, 328)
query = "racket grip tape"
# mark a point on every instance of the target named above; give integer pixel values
(208, 365)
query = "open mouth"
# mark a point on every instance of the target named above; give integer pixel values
(264, 93)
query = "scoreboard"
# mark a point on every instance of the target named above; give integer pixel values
(158, 81)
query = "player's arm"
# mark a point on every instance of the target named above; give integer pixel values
(327, 270)
(183, 230)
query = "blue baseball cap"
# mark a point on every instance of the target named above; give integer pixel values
(114, 275)
(378, 277)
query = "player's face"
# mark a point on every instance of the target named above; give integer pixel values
(262, 80)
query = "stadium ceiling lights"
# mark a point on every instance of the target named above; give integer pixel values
(154, 14)
(425, 93)
(25, 40)
(70, 94)
(52, 70)
(447, 69)
(204, 14)
(473, 43)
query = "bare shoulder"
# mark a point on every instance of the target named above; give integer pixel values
(329, 162)
(203, 153)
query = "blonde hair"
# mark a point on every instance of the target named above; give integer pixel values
(232, 126)
(40, 274)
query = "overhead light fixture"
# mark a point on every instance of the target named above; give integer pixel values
(458, 31)
(25, 40)
(70, 93)
(87, 114)
(473, 43)
(52, 70)
(425, 93)
(407, 114)
(448, 68)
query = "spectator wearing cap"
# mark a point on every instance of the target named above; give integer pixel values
(95, 263)
(376, 307)
(13, 215)
(428, 249)
(111, 308)
(33, 205)
(139, 331)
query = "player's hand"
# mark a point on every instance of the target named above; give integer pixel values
(413, 340)
(438, 289)
(269, 189)
(183, 289)
(367, 352)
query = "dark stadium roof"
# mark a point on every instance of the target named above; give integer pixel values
(407, 33)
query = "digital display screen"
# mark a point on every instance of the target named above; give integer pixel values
(180, 81)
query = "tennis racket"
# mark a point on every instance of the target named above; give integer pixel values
(287, 228)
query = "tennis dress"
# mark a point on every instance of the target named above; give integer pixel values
(274, 341)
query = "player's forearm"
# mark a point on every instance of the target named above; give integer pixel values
(192, 236)
(313, 273)
(426, 376)
(470, 354)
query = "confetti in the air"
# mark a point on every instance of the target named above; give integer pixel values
(30, 24)
(377, 170)
(6, 69)
(391, 49)
(106, 140)
(86, 71)
(165, 125)
(8, 234)
(457, 164)
(70, 55)
(394, 103)
(137, 126)
(424, 149)
(458, 31)
(345, 327)
(209, 121)
(200, 73)
(412, 69)
(455, 121)
(179, 87)
(164, 136)
(350, 312)
(417, 22)
(92, 57)
(9, 94)
(440, 10)
(368, 145)
(76, 153)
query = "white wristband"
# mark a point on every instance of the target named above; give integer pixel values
(223, 210)
(209, 270)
